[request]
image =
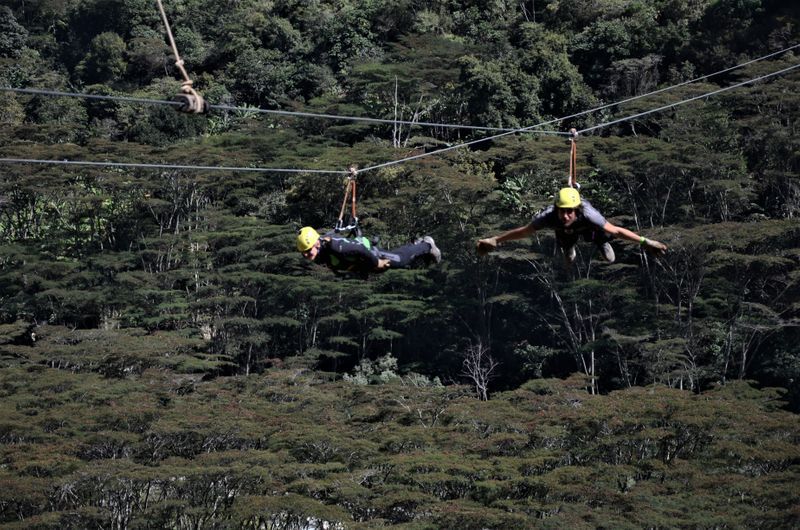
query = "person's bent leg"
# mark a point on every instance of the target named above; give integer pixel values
(603, 243)
(567, 243)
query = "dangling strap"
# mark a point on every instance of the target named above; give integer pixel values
(190, 100)
(349, 192)
(572, 179)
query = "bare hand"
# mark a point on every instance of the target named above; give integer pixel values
(487, 245)
(654, 247)
(383, 264)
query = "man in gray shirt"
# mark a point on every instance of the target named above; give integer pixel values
(571, 218)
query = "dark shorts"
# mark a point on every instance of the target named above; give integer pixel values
(596, 236)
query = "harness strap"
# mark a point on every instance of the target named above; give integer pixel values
(572, 179)
(349, 192)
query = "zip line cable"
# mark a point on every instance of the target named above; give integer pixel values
(689, 100)
(372, 120)
(166, 166)
(34, 91)
(57, 93)
(376, 120)
(407, 159)
(402, 160)
(684, 83)
(488, 138)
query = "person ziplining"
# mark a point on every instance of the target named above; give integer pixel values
(353, 253)
(571, 218)
(357, 255)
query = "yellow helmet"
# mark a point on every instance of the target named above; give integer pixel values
(568, 198)
(306, 238)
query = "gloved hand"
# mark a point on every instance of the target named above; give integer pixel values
(654, 247)
(486, 245)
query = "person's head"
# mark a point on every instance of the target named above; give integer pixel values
(308, 242)
(567, 203)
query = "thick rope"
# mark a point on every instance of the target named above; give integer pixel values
(178, 60)
(193, 102)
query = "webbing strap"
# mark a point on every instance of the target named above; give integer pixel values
(349, 192)
(572, 179)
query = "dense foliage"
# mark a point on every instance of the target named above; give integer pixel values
(282, 450)
(169, 308)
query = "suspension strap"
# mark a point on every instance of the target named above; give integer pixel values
(349, 192)
(572, 179)
(190, 100)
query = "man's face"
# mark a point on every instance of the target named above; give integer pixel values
(567, 216)
(312, 252)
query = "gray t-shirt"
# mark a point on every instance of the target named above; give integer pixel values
(588, 218)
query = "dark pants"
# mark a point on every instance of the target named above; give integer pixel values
(403, 257)
(597, 236)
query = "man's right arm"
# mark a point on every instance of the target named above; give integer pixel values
(490, 243)
(543, 219)
(517, 233)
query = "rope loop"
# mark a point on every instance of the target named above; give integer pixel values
(191, 102)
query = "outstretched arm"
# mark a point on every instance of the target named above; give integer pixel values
(490, 243)
(623, 233)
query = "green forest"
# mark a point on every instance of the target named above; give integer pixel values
(168, 359)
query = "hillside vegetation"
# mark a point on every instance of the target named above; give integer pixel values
(167, 358)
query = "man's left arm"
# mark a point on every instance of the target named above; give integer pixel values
(623, 233)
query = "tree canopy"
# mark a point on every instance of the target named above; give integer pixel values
(167, 358)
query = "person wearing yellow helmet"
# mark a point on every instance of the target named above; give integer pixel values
(358, 255)
(307, 238)
(572, 217)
